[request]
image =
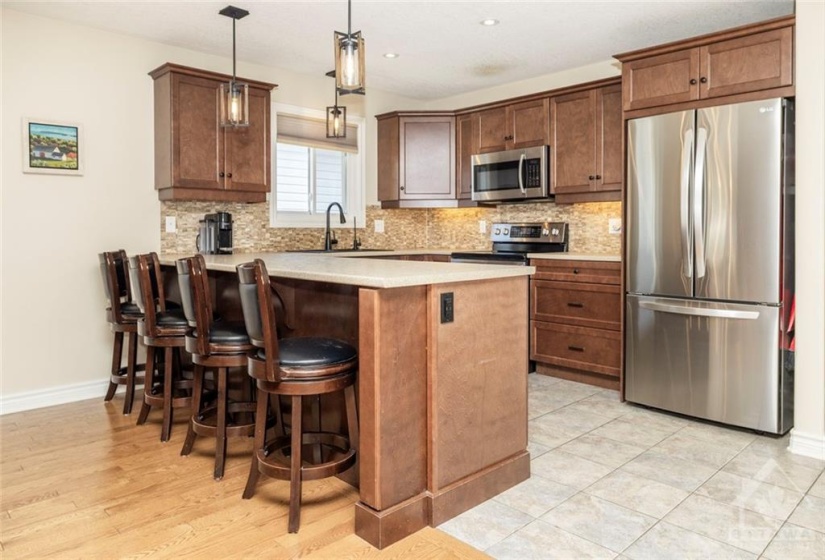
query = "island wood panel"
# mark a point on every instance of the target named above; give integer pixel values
(393, 395)
(479, 412)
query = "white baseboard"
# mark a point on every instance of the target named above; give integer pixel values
(63, 394)
(810, 445)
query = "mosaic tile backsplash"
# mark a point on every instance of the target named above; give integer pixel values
(452, 228)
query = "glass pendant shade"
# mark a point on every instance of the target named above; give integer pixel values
(336, 121)
(349, 62)
(234, 104)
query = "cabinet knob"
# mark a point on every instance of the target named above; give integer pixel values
(575, 271)
(592, 177)
(703, 80)
(221, 174)
(402, 187)
(229, 175)
(693, 81)
(598, 177)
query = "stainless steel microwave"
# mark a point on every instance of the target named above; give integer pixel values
(512, 175)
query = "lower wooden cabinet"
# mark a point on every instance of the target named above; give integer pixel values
(575, 320)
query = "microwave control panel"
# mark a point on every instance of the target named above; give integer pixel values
(532, 173)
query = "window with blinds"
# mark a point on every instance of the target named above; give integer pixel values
(312, 171)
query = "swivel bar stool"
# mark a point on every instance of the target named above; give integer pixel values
(296, 367)
(163, 330)
(213, 344)
(122, 315)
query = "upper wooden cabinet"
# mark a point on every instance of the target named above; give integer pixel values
(739, 61)
(416, 159)
(197, 159)
(509, 127)
(466, 147)
(587, 142)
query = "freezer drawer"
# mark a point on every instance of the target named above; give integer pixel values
(716, 361)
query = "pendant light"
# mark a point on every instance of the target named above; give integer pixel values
(336, 119)
(349, 58)
(234, 95)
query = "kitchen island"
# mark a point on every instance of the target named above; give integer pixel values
(442, 401)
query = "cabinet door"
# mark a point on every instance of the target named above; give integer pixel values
(529, 123)
(661, 80)
(388, 154)
(574, 123)
(752, 63)
(492, 130)
(196, 141)
(247, 153)
(466, 147)
(609, 139)
(427, 151)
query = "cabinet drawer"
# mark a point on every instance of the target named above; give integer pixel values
(595, 350)
(591, 272)
(585, 305)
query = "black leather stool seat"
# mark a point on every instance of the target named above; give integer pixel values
(130, 309)
(311, 351)
(171, 318)
(226, 333)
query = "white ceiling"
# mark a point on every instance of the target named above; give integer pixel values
(443, 49)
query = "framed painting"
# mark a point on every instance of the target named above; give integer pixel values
(52, 147)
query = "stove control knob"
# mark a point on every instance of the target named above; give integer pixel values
(506, 231)
(498, 231)
(554, 231)
(545, 232)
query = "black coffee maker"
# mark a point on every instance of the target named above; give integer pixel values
(215, 234)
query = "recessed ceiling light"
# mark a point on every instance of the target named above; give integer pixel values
(390, 55)
(489, 22)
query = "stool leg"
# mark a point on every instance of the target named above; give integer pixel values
(260, 438)
(197, 395)
(352, 417)
(166, 429)
(295, 468)
(130, 374)
(148, 384)
(279, 414)
(117, 355)
(220, 436)
(316, 415)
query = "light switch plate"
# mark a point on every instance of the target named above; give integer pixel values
(171, 224)
(379, 226)
(482, 226)
(614, 226)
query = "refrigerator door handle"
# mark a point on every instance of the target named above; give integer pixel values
(699, 202)
(684, 204)
(698, 311)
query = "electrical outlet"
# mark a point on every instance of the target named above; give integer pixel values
(379, 226)
(447, 307)
(171, 224)
(614, 226)
(482, 226)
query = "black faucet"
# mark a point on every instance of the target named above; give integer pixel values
(328, 239)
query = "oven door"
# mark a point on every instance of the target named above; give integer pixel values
(511, 175)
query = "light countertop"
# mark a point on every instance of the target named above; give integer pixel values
(575, 257)
(360, 271)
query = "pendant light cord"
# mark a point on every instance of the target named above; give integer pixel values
(349, 19)
(233, 50)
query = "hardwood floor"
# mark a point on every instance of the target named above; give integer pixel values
(81, 480)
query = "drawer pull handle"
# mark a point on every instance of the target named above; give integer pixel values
(574, 304)
(576, 348)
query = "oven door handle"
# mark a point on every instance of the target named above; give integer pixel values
(520, 169)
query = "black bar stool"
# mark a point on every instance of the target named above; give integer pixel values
(213, 344)
(122, 315)
(163, 330)
(296, 367)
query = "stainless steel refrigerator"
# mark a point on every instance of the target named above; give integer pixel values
(709, 252)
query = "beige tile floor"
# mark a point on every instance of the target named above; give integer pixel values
(613, 480)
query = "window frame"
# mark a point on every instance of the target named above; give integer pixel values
(356, 183)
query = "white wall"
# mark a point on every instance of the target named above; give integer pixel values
(808, 436)
(54, 333)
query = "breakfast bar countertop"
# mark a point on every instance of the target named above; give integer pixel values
(359, 271)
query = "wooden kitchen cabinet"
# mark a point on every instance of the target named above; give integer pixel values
(197, 159)
(466, 137)
(416, 159)
(587, 142)
(514, 126)
(575, 320)
(739, 61)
